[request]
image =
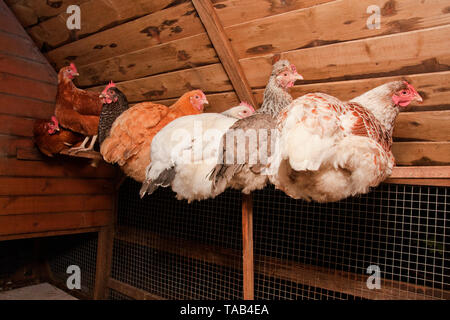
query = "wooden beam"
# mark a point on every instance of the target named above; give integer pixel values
(23, 225)
(131, 291)
(435, 172)
(224, 50)
(47, 234)
(247, 247)
(104, 261)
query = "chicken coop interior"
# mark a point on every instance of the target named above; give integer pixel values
(65, 208)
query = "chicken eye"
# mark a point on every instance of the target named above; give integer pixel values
(285, 74)
(404, 92)
(197, 97)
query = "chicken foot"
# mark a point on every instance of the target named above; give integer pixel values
(82, 147)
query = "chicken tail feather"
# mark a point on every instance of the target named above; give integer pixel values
(163, 180)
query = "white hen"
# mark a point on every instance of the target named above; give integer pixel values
(185, 151)
(330, 149)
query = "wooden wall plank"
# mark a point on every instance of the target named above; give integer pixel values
(96, 15)
(16, 126)
(61, 203)
(25, 107)
(9, 145)
(333, 22)
(421, 153)
(26, 68)
(21, 47)
(425, 126)
(131, 291)
(400, 54)
(53, 186)
(166, 25)
(435, 172)
(178, 54)
(27, 88)
(55, 168)
(34, 223)
(211, 78)
(222, 45)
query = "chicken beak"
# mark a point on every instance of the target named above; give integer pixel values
(298, 76)
(418, 98)
(101, 96)
(205, 101)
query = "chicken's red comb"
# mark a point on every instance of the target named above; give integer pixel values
(293, 68)
(73, 67)
(248, 105)
(110, 85)
(55, 121)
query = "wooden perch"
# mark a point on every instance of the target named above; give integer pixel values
(83, 154)
(220, 41)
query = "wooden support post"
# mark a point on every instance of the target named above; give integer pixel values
(247, 247)
(104, 258)
(222, 45)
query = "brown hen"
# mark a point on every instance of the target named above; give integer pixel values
(131, 135)
(76, 109)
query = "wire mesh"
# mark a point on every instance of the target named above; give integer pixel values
(79, 250)
(401, 229)
(177, 250)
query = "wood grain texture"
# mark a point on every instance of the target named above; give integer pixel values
(160, 27)
(224, 50)
(400, 54)
(61, 203)
(424, 126)
(247, 248)
(30, 12)
(174, 55)
(53, 186)
(232, 12)
(23, 87)
(20, 47)
(421, 153)
(96, 15)
(130, 291)
(23, 225)
(54, 168)
(333, 22)
(211, 78)
(15, 126)
(436, 172)
(26, 68)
